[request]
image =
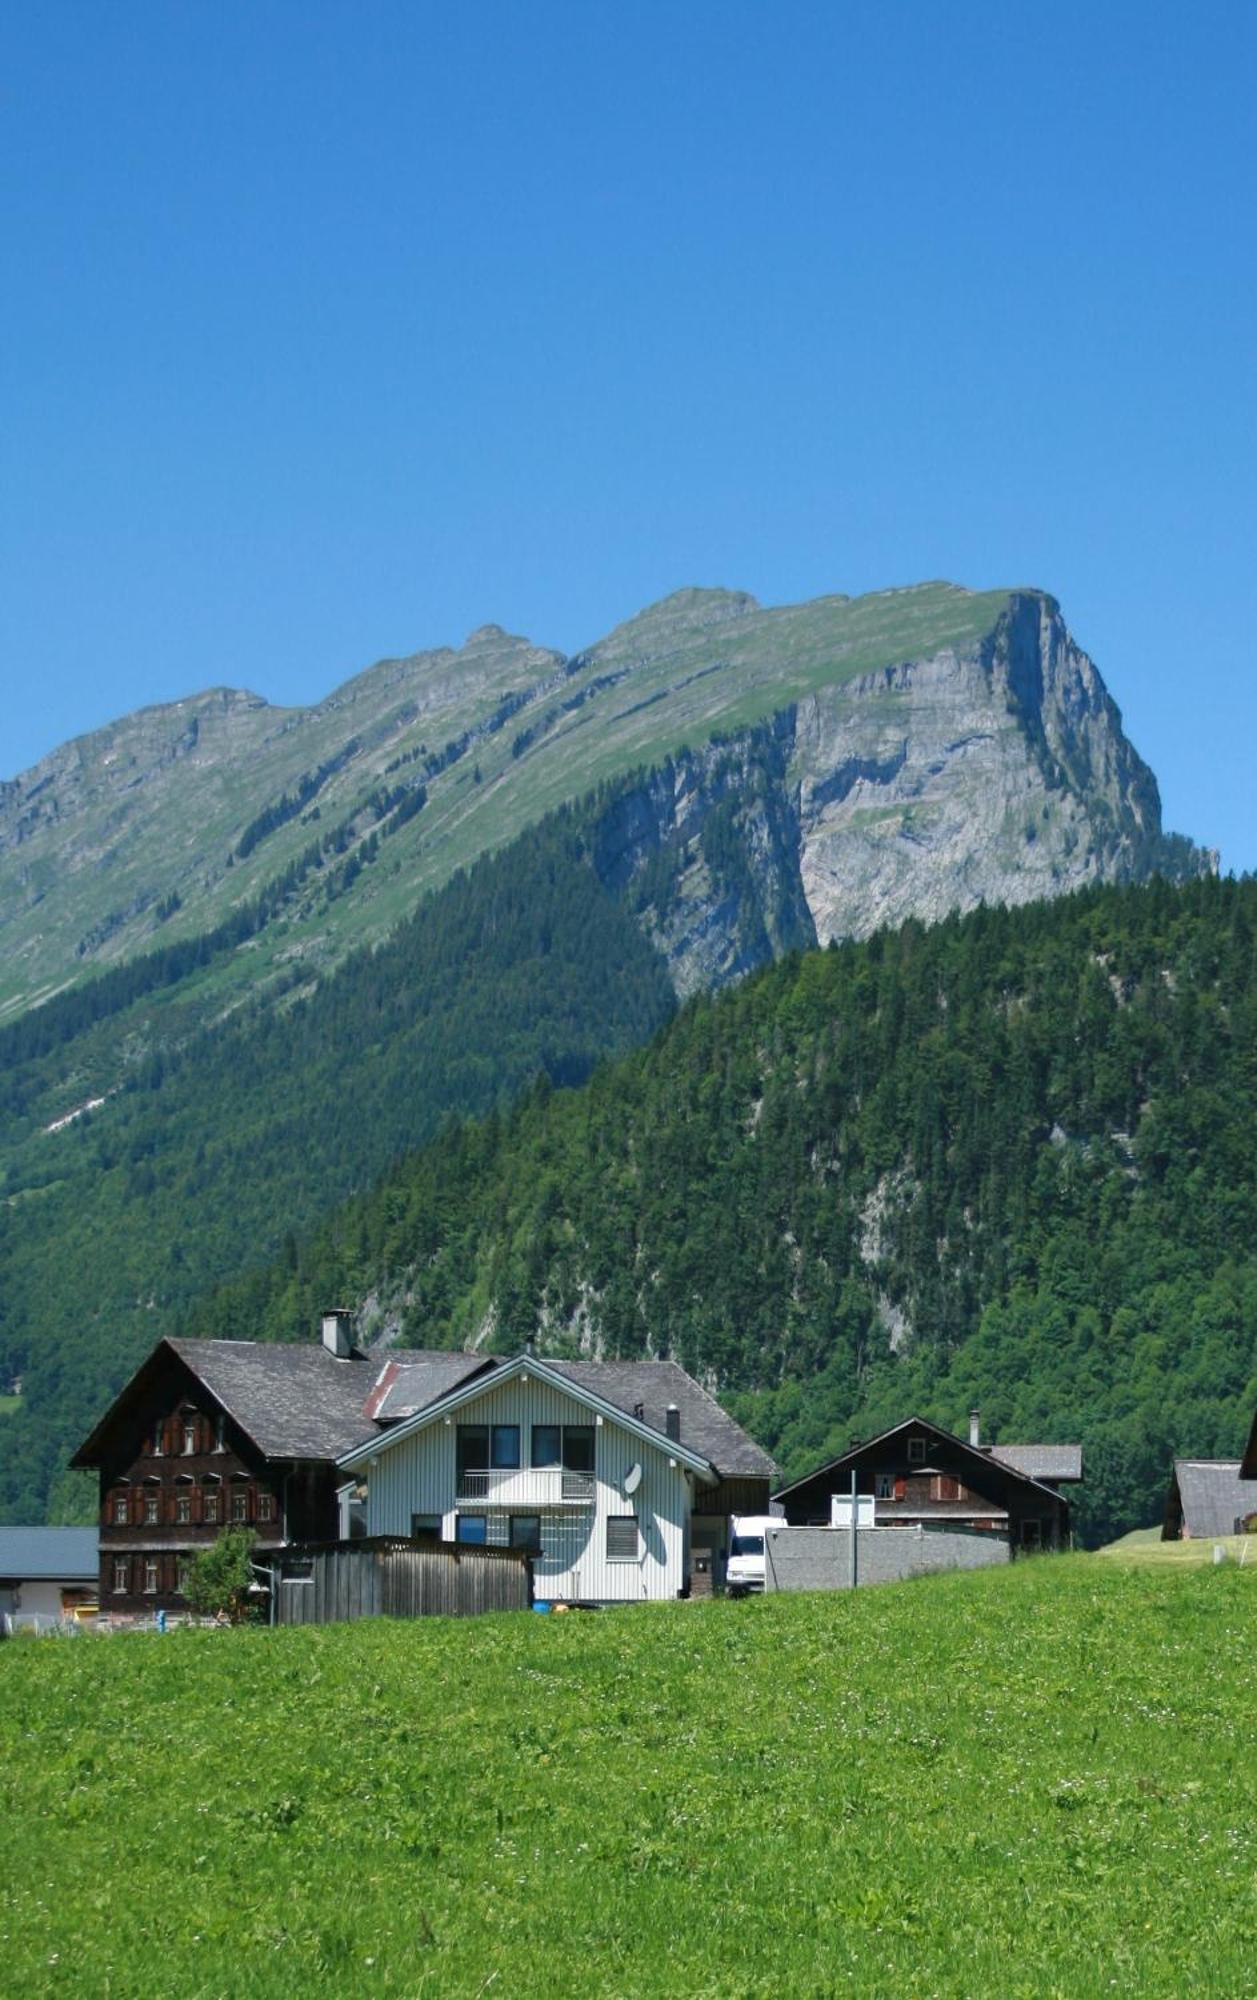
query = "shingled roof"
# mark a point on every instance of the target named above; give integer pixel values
(644, 1389)
(66, 1555)
(1207, 1497)
(1050, 1464)
(294, 1402)
(409, 1381)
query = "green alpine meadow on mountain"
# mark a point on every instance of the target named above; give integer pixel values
(256, 961)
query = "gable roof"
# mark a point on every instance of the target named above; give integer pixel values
(1212, 1496)
(982, 1456)
(649, 1386)
(506, 1371)
(72, 1554)
(1053, 1463)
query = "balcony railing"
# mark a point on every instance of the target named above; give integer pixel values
(517, 1485)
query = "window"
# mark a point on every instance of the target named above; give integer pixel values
(568, 1445)
(159, 1442)
(946, 1487)
(425, 1527)
(473, 1528)
(622, 1542)
(547, 1445)
(884, 1485)
(152, 1508)
(189, 1436)
(239, 1503)
(150, 1574)
(266, 1506)
(220, 1441)
(504, 1446)
(121, 1575)
(182, 1568)
(183, 1507)
(916, 1451)
(209, 1505)
(121, 1509)
(526, 1533)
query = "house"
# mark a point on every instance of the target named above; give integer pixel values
(210, 1434)
(1207, 1496)
(921, 1475)
(619, 1478)
(280, 1438)
(46, 1573)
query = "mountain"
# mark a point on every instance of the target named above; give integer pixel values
(279, 948)
(1002, 1161)
(937, 747)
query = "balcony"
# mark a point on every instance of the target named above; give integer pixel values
(526, 1486)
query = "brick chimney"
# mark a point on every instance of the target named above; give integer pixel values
(338, 1333)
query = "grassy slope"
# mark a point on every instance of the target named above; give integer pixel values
(1036, 1782)
(185, 819)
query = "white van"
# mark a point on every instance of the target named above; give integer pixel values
(746, 1552)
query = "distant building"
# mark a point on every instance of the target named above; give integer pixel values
(619, 1478)
(921, 1475)
(46, 1573)
(1207, 1496)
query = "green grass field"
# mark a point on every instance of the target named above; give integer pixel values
(1037, 1782)
(1144, 1545)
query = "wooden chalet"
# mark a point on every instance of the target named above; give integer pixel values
(619, 1479)
(209, 1434)
(919, 1474)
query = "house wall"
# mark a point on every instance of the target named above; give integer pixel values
(820, 1558)
(418, 1476)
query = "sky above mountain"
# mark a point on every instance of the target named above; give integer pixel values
(332, 332)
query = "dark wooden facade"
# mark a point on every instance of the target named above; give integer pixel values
(920, 1473)
(174, 1471)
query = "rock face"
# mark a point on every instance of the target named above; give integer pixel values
(995, 772)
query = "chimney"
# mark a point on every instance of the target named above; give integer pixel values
(338, 1334)
(975, 1427)
(672, 1423)
(530, 1345)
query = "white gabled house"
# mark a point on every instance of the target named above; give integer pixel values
(619, 1478)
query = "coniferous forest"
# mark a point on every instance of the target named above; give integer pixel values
(1003, 1161)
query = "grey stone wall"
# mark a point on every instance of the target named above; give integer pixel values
(820, 1558)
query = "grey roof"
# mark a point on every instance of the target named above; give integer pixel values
(645, 1388)
(1050, 1464)
(61, 1553)
(1213, 1495)
(294, 1402)
(409, 1381)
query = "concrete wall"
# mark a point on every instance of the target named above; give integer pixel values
(820, 1558)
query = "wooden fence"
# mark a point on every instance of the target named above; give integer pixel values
(380, 1577)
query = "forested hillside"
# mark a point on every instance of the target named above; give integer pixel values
(1006, 1160)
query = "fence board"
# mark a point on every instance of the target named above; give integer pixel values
(399, 1579)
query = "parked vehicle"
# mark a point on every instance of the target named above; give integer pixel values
(745, 1572)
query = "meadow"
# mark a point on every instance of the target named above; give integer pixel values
(1034, 1782)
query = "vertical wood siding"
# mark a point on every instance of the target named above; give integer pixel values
(417, 1476)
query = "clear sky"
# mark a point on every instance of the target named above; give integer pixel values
(331, 331)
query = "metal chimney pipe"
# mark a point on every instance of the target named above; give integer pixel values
(672, 1423)
(975, 1427)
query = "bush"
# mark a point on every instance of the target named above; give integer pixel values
(218, 1581)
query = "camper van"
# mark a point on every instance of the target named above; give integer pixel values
(745, 1572)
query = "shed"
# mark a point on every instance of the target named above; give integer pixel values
(1207, 1497)
(47, 1573)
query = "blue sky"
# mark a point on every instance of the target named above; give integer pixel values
(333, 331)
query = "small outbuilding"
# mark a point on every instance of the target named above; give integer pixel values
(1207, 1496)
(47, 1573)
